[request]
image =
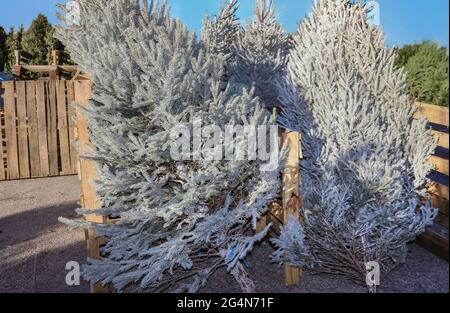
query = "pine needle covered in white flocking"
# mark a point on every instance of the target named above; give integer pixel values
(219, 35)
(261, 51)
(179, 220)
(256, 53)
(364, 172)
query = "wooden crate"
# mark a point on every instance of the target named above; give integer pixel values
(436, 237)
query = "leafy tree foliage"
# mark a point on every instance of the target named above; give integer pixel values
(427, 69)
(13, 42)
(38, 40)
(3, 49)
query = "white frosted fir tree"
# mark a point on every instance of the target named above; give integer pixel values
(261, 51)
(219, 35)
(364, 172)
(180, 221)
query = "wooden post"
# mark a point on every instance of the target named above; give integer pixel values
(17, 54)
(56, 57)
(53, 73)
(17, 68)
(291, 200)
(262, 223)
(87, 172)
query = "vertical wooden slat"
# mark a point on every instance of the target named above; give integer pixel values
(41, 105)
(11, 131)
(441, 165)
(52, 128)
(433, 113)
(261, 224)
(72, 126)
(24, 158)
(33, 130)
(2, 156)
(88, 168)
(63, 131)
(291, 193)
(432, 239)
(88, 173)
(442, 138)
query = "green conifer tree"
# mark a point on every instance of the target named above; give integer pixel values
(3, 49)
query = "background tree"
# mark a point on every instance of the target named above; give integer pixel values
(261, 51)
(365, 167)
(3, 49)
(38, 42)
(14, 42)
(427, 69)
(405, 53)
(256, 53)
(220, 34)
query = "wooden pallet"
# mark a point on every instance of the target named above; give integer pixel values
(435, 238)
(36, 129)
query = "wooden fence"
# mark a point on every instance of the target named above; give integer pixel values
(436, 238)
(37, 129)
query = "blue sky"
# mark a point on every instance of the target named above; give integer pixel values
(404, 21)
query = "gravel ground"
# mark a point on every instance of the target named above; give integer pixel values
(35, 247)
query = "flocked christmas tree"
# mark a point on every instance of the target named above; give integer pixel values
(180, 220)
(365, 165)
(256, 53)
(219, 35)
(261, 51)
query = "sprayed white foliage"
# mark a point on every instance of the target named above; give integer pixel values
(176, 217)
(291, 246)
(365, 166)
(255, 53)
(220, 33)
(260, 57)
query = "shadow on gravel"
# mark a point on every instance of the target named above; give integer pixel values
(43, 272)
(32, 223)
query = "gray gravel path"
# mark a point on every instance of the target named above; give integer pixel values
(35, 247)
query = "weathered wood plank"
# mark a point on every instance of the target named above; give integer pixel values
(24, 157)
(435, 243)
(83, 90)
(72, 126)
(63, 128)
(261, 224)
(433, 113)
(440, 164)
(33, 130)
(2, 155)
(41, 105)
(442, 220)
(11, 131)
(442, 138)
(440, 190)
(276, 217)
(88, 168)
(291, 200)
(52, 132)
(440, 203)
